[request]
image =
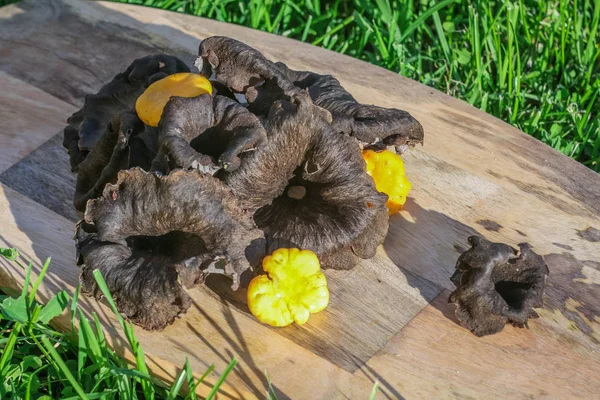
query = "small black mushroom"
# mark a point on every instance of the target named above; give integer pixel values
(148, 234)
(308, 188)
(86, 126)
(497, 284)
(368, 123)
(196, 131)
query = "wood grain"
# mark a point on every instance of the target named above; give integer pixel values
(44, 175)
(435, 358)
(475, 175)
(29, 118)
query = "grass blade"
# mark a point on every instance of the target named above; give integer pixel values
(334, 30)
(63, 368)
(8, 349)
(177, 384)
(38, 281)
(421, 19)
(193, 389)
(442, 36)
(221, 379)
(190, 379)
(374, 391)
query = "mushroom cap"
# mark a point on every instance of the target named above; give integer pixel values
(497, 284)
(145, 233)
(141, 275)
(86, 126)
(195, 131)
(340, 201)
(126, 143)
(239, 67)
(368, 123)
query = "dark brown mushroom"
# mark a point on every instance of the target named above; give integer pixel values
(196, 131)
(245, 70)
(309, 189)
(86, 126)
(239, 67)
(147, 233)
(368, 123)
(125, 144)
(496, 285)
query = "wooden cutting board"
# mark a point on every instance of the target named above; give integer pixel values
(389, 320)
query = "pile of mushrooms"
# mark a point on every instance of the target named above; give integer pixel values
(270, 159)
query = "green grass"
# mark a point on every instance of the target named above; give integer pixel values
(534, 64)
(39, 362)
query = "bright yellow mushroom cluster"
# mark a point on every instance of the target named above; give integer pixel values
(387, 170)
(293, 288)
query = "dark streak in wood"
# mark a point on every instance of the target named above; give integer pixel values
(590, 234)
(544, 194)
(520, 233)
(489, 225)
(580, 182)
(566, 284)
(563, 246)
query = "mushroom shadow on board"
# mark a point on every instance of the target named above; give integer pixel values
(427, 243)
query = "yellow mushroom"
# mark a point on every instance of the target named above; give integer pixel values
(294, 288)
(387, 170)
(149, 106)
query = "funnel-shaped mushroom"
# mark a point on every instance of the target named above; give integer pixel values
(497, 284)
(86, 126)
(239, 67)
(368, 123)
(309, 188)
(145, 233)
(195, 131)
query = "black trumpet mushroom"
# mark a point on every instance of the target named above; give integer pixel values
(148, 235)
(245, 70)
(207, 132)
(126, 143)
(496, 285)
(368, 123)
(308, 187)
(86, 126)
